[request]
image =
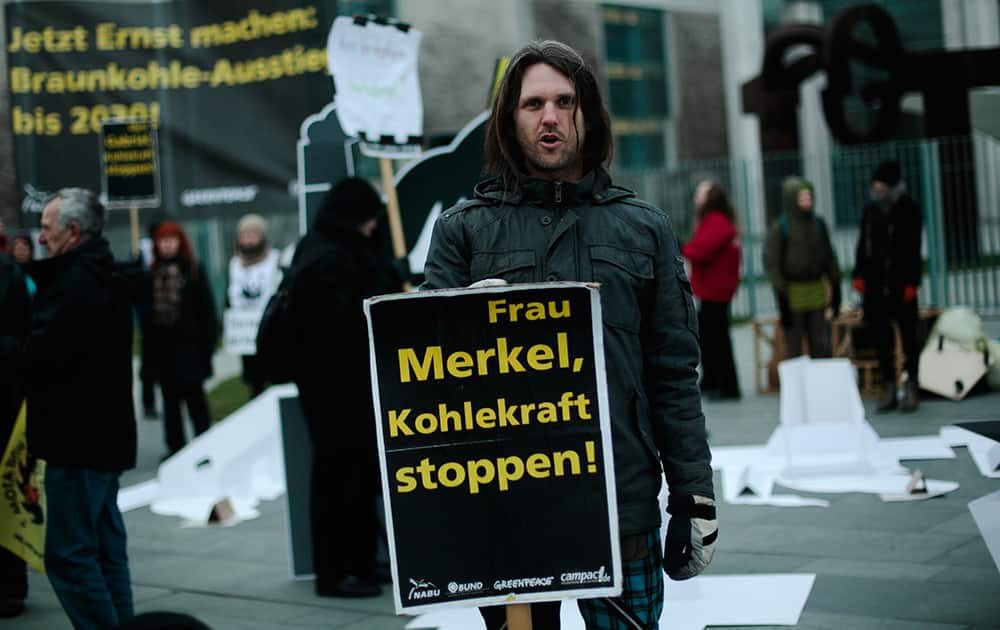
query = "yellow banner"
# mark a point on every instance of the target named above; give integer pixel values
(23, 507)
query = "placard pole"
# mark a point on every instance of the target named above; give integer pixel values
(395, 220)
(133, 219)
(519, 616)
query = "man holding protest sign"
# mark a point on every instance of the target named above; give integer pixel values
(550, 213)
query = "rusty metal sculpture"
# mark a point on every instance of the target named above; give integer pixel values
(943, 78)
(866, 106)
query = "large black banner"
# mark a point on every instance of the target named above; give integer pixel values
(226, 82)
(495, 445)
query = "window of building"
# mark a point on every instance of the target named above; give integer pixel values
(635, 53)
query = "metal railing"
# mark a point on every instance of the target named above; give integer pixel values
(956, 181)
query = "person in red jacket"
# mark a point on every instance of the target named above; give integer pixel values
(714, 252)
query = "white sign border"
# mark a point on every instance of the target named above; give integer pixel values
(603, 406)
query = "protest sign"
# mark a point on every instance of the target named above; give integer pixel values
(374, 68)
(189, 67)
(239, 330)
(129, 165)
(23, 508)
(495, 445)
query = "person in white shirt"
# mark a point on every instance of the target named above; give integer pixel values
(254, 275)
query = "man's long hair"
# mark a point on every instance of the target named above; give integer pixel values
(504, 156)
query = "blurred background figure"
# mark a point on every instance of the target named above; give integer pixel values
(15, 323)
(253, 278)
(802, 268)
(714, 252)
(887, 270)
(183, 332)
(337, 265)
(144, 310)
(22, 248)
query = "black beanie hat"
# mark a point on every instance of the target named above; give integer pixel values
(887, 173)
(351, 202)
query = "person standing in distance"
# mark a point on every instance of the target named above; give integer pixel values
(81, 421)
(550, 208)
(714, 252)
(887, 271)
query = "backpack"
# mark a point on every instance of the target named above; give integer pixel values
(275, 335)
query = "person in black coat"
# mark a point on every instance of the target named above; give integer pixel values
(887, 272)
(336, 266)
(77, 367)
(183, 331)
(15, 321)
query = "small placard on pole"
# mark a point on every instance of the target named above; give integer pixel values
(130, 168)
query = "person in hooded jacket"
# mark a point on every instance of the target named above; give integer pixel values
(253, 276)
(336, 266)
(183, 331)
(714, 252)
(802, 267)
(887, 272)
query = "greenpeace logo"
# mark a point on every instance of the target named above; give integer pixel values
(422, 589)
(214, 196)
(533, 582)
(454, 588)
(585, 577)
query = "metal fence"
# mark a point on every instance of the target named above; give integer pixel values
(956, 181)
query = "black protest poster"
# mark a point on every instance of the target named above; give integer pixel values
(495, 445)
(226, 83)
(129, 164)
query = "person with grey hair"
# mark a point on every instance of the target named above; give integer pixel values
(78, 385)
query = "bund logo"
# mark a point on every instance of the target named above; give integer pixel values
(422, 589)
(466, 588)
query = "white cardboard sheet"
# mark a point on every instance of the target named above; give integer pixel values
(138, 495)
(824, 444)
(724, 600)
(980, 448)
(986, 513)
(238, 459)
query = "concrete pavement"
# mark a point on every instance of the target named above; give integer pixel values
(913, 566)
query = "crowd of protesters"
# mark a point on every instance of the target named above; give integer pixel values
(66, 338)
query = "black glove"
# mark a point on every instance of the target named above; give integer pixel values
(691, 535)
(401, 269)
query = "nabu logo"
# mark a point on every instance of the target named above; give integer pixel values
(422, 589)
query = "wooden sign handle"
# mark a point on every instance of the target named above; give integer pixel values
(133, 219)
(392, 205)
(518, 616)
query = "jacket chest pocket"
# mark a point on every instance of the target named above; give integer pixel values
(623, 274)
(514, 266)
(687, 295)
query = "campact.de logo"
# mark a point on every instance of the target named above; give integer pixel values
(585, 577)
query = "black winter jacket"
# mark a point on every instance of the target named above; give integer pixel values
(888, 252)
(182, 353)
(332, 273)
(15, 321)
(595, 232)
(79, 362)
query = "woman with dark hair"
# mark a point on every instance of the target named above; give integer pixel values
(714, 252)
(22, 248)
(183, 331)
